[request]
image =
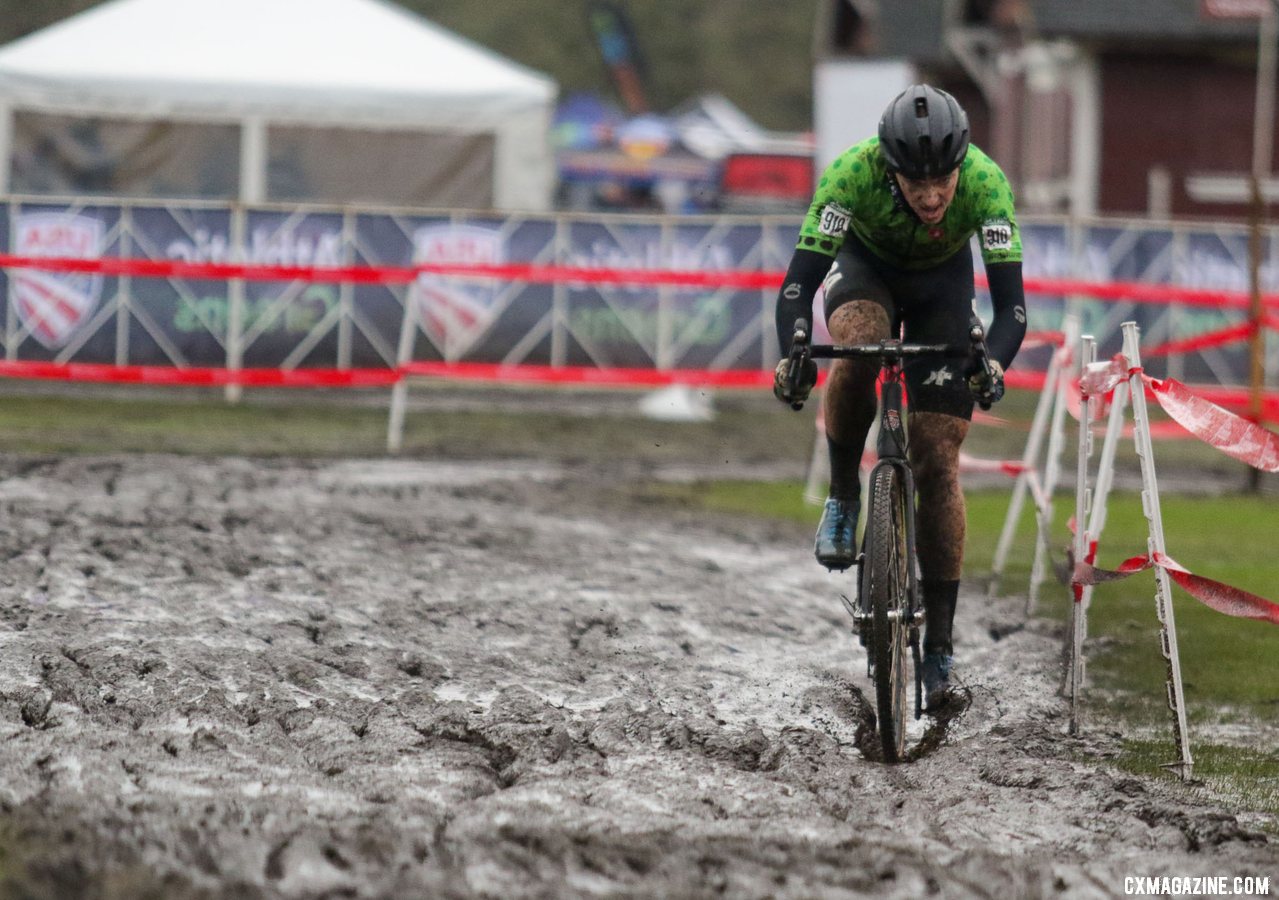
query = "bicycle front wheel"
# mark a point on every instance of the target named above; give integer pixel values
(887, 556)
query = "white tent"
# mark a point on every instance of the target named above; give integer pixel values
(301, 100)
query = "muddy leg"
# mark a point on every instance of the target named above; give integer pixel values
(850, 394)
(935, 439)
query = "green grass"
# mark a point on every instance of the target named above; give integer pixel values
(197, 423)
(1230, 667)
(1245, 778)
(454, 420)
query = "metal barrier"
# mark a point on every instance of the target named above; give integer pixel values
(299, 324)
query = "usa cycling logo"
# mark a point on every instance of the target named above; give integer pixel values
(456, 312)
(52, 306)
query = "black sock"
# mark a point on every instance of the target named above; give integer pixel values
(940, 598)
(845, 471)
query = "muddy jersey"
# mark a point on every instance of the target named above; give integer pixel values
(857, 193)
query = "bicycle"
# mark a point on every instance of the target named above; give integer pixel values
(888, 609)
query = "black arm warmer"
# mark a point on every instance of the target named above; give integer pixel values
(1009, 301)
(795, 300)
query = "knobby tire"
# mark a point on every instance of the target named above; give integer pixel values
(888, 559)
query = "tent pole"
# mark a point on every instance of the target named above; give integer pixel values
(6, 146)
(252, 160)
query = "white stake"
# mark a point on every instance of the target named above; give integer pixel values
(1155, 544)
(1074, 663)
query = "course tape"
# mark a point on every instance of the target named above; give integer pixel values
(1009, 467)
(1100, 378)
(534, 374)
(1133, 291)
(173, 268)
(197, 377)
(1220, 428)
(1231, 434)
(1205, 341)
(1223, 598)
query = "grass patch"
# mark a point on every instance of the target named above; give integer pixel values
(453, 421)
(199, 423)
(1245, 777)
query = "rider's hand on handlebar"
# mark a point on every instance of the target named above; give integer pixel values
(781, 381)
(987, 386)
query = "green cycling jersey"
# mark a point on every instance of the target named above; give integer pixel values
(856, 193)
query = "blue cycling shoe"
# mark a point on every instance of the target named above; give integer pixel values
(836, 533)
(936, 671)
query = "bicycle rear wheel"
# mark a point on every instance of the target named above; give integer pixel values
(887, 557)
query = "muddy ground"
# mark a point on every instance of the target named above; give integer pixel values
(412, 678)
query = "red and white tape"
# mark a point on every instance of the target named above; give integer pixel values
(1233, 435)
(1133, 291)
(1223, 598)
(198, 377)
(1220, 428)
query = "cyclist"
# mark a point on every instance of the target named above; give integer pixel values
(888, 234)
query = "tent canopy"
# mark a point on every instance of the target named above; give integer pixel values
(322, 64)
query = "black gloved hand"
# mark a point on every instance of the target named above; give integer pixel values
(987, 387)
(781, 381)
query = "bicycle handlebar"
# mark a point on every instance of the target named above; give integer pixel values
(802, 350)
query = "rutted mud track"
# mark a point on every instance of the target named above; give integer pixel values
(398, 679)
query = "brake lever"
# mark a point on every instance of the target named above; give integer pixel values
(977, 338)
(798, 359)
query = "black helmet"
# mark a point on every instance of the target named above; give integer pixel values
(923, 133)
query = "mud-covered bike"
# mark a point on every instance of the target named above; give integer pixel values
(887, 608)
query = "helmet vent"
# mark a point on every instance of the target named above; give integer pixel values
(921, 107)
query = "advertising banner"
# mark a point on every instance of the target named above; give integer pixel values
(665, 326)
(473, 319)
(309, 322)
(60, 315)
(176, 321)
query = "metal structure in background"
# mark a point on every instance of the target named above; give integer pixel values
(236, 324)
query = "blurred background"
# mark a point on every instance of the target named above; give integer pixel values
(1138, 135)
(1135, 107)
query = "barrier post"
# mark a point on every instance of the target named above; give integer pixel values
(819, 465)
(235, 304)
(346, 293)
(124, 295)
(1074, 651)
(1156, 547)
(400, 390)
(11, 306)
(560, 301)
(1030, 459)
(1052, 474)
(664, 351)
(1075, 662)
